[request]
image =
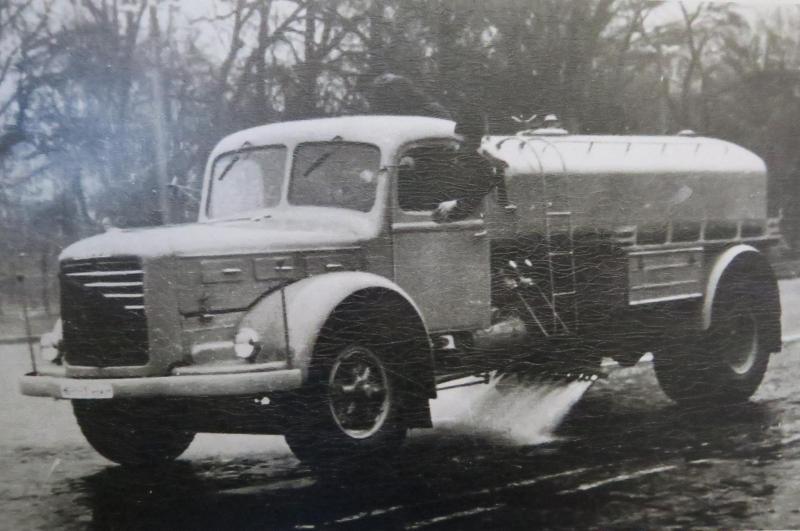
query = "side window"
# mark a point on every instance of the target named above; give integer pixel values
(427, 176)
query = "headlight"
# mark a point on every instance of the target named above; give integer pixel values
(247, 343)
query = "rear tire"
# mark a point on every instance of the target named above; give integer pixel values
(128, 434)
(725, 363)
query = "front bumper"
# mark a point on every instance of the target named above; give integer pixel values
(203, 385)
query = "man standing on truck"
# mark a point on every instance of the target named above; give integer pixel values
(397, 95)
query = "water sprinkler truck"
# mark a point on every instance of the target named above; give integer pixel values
(320, 297)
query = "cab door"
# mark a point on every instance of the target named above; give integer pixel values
(444, 266)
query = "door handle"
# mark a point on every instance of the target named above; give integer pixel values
(480, 234)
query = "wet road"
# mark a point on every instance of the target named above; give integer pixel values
(623, 456)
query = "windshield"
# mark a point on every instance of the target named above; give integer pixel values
(335, 174)
(245, 181)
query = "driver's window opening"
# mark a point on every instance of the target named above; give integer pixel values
(427, 176)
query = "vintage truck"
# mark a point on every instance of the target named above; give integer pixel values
(319, 297)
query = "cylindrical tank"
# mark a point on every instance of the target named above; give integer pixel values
(609, 183)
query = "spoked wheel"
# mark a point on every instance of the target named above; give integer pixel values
(359, 393)
(724, 364)
(128, 434)
(352, 414)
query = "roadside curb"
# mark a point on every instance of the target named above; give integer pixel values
(22, 339)
(793, 338)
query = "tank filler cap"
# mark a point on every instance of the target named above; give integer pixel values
(548, 125)
(551, 126)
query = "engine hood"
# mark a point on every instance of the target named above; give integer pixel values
(304, 228)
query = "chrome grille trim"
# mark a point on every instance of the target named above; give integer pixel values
(103, 312)
(113, 284)
(106, 273)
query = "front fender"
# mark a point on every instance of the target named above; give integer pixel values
(293, 332)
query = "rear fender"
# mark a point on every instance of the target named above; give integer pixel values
(309, 304)
(746, 260)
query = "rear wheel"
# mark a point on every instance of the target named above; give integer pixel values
(727, 362)
(352, 413)
(129, 434)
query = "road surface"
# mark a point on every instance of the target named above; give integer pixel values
(622, 456)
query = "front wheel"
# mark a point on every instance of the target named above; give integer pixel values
(352, 414)
(129, 434)
(724, 364)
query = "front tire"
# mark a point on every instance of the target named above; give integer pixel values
(725, 363)
(352, 414)
(129, 434)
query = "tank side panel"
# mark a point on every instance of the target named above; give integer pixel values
(606, 202)
(631, 181)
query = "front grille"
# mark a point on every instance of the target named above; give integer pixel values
(102, 309)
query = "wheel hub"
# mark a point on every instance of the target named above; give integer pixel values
(741, 345)
(359, 392)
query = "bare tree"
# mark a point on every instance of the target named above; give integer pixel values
(23, 39)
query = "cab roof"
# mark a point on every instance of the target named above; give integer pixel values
(383, 131)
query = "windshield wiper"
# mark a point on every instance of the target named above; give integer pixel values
(236, 157)
(322, 158)
(227, 168)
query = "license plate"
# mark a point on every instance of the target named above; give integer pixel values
(86, 390)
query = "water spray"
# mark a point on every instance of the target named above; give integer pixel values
(521, 408)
